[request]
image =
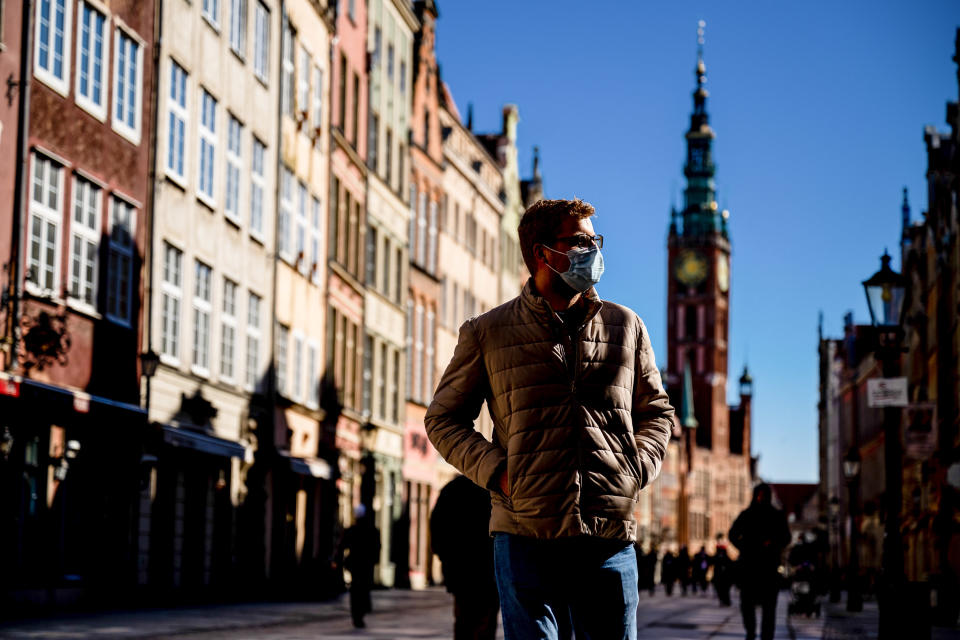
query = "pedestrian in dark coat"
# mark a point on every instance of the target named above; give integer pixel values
(722, 574)
(760, 533)
(459, 531)
(646, 568)
(360, 547)
(683, 569)
(700, 565)
(668, 572)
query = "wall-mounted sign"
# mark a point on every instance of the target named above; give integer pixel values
(886, 392)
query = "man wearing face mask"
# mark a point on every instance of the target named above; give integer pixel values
(581, 425)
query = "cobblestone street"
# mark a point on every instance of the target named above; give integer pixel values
(424, 615)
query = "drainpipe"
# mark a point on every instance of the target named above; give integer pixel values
(14, 287)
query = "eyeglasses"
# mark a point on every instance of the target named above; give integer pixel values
(583, 241)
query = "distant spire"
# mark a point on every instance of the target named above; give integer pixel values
(905, 210)
(470, 116)
(536, 164)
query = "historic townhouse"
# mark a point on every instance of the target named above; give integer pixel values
(211, 287)
(390, 28)
(426, 194)
(342, 392)
(502, 146)
(469, 242)
(76, 154)
(302, 507)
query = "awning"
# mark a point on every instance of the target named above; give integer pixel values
(310, 467)
(202, 442)
(17, 387)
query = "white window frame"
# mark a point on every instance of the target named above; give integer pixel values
(86, 102)
(316, 238)
(317, 114)
(285, 214)
(298, 342)
(177, 112)
(418, 326)
(228, 326)
(234, 169)
(258, 187)
(122, 251)
(287, 69)
(303, 86)
(313, 375)
(422, 230)
(261, 42)
(46, 74)
(254, 306)
(89, 239)
(238, 28)
(282, 344)
(202, 309)
(432, 238)
(210, 10)
(207, 139)
(120, 125)
(46, 215)
(171, 290)
(300, 233)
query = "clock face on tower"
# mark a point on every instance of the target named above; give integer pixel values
(691, 268)
(723, 274)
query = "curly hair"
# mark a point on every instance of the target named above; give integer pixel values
(541, 220)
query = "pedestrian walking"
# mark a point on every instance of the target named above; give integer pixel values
(760, 533)
(683, 569)
(360, 548)
(668, 572)
(699, 567)
(581, 426)
(459, 533)
(722, 575)
(646, 568)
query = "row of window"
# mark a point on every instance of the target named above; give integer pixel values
(457, 303)
(344, 240)
(421, 328)
(203, 320)
(345, 358)
(90, 242)
(461, 225)
(216, 182)
(298, 226)
(386, 264)
(298, 366)
(54, 31)
(301, 86)
(381, 379)
(423, 230)
(238, 31)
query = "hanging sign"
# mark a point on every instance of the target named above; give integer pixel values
(886, 392)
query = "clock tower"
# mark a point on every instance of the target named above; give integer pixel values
(699, 281)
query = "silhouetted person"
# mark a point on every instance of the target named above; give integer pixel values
(683, 569)
(722, 574)
(361, 549)
(699, 567)
(646, 568)
(668, 572)
(460, 535)
(760, 533)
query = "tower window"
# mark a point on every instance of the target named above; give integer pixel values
(690, 322)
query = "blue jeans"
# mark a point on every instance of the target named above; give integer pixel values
(583, 588)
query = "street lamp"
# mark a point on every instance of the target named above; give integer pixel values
(885, 294)
(149, 361)
(851, 471)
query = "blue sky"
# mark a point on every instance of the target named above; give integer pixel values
(819, 109)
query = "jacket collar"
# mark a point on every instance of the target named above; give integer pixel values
(538, 305)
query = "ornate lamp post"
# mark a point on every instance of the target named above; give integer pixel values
(149, 361)
(851, 471)
(885, 293)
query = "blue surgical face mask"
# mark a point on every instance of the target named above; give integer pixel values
(586, 267)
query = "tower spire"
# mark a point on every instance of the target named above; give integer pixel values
(701, 216)
(905, 212)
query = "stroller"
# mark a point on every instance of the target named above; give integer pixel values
(805, 598)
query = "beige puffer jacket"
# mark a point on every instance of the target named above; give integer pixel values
(577, 448)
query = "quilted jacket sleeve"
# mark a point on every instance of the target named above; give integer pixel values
(456, 405)
(652, 413)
